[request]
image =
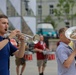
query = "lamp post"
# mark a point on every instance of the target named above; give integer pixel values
(41, 11)
(26, 8)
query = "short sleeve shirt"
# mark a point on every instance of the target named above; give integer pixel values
(5, 53)
(62, 54)
(40, 56)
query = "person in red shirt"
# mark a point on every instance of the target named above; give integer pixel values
(41, 58)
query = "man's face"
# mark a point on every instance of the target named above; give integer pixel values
(3, 25)
(41, 38)
(64, 38)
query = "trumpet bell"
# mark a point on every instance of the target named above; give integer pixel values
(70, 33)
(36, 38)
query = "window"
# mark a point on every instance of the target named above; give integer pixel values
(29, 12)
(51, 9)
(39, 9)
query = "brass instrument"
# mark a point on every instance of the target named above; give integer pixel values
(71, 33)
(33, 39)
(28, 38)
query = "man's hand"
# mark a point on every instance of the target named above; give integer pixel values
(14, 33)
(21, 37)
(41, 51)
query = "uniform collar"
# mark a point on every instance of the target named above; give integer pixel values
(62, 43)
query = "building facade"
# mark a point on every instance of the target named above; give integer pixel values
(21, 14)
(46, 7)
(26, 14)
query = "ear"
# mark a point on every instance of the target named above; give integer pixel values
(61, 35)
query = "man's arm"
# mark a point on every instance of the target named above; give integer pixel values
(3, 43)
(20, 53)
(38, 50)
(70, 59)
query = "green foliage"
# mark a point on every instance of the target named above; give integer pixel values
(64, 8)
(63, 11)
(50, 20)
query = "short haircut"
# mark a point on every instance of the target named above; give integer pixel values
(62, 30)
(3, 16)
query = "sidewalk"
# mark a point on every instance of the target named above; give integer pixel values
(31, 67)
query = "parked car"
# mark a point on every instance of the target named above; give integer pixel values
(46, 30)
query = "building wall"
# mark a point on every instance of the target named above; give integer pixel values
(16, 11)
(45, 11)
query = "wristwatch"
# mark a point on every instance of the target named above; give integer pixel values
(7, 38)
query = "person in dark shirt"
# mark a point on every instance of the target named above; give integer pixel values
(6, 48)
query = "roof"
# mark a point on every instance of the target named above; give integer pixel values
(45, 25)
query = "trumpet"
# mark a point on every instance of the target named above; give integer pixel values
(28, 38)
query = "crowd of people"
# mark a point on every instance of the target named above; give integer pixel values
(65, 51)
(8, 49)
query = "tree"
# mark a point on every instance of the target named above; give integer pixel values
(50, 20)
(64, 10)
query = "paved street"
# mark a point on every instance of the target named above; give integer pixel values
(31, 68)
